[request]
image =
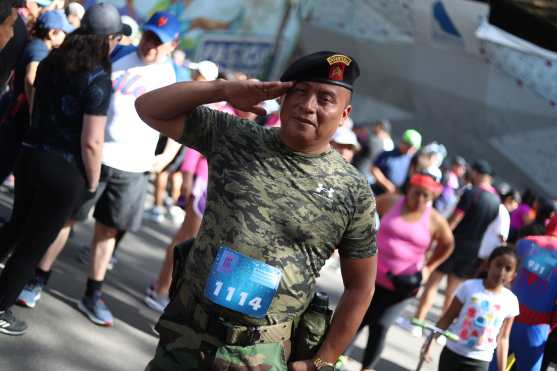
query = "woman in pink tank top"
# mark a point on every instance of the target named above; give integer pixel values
(409, 227)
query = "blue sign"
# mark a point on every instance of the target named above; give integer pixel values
(237, 53)
(242, 284)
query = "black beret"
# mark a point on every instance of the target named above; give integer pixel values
(325, 66)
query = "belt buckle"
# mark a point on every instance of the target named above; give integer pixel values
(254, 335)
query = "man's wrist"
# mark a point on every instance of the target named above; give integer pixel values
(322, 365)
(222, 91)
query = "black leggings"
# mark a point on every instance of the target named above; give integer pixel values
(451, 361)
(385, 308)
(48, 190)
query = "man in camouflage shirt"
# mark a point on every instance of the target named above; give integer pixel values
(280, 197)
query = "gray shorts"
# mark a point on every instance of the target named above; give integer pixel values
(118, 201)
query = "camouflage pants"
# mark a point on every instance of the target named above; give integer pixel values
(259, 357)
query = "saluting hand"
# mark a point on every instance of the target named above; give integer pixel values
(246, 95)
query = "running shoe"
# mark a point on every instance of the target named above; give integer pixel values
(177, 214)
(10, 325)
(168, 202)
(30, 294)
(156, 302)
(154, 214)
(96, 310)
(416, 331)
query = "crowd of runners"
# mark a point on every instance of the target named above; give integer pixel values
(71, 141)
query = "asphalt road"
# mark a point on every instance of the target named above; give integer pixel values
(60, 338)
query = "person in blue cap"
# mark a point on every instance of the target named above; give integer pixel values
(48, 33)
(128, 154)
(59, 163)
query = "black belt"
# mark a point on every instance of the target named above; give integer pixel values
(231, 334)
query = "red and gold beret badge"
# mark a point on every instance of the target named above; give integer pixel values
(338, 64)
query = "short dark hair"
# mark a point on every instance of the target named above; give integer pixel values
(40, 31)
(513, 194)
(545, 210)
(82, 52)
(529, 197)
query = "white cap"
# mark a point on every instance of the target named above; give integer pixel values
(343, 135)
(271, 106)
(207, 69)
(348, 123)
(126, 19)
(76, 9)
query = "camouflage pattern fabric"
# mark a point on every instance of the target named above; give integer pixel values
(260, 357)
(287, 209)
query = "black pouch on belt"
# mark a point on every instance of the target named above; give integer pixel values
(406, 284)
(181, 253)
(312, 328)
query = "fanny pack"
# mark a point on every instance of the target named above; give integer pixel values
(406, 284)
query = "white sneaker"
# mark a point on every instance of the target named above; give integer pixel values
(416, 331)
(155, 214)
(177, 214)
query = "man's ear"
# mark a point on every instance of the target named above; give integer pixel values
(345, 114)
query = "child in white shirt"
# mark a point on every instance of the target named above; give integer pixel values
(482, 315)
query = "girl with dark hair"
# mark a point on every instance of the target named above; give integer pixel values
(482, 315)
(59, 164)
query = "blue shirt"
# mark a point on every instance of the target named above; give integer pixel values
(394, 165)
(35, 51)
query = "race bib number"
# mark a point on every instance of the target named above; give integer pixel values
(242, 284)
(541, 263)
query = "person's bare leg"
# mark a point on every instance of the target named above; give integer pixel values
(56, 247)
(428, 295)
(175, 186)
(188, 230)
(102, 247)
(452, 284)
(161, 180)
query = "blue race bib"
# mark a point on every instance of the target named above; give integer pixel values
(242, 284)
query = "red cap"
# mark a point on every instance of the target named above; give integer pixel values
(427, 182)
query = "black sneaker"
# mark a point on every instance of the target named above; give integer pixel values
(10, 325)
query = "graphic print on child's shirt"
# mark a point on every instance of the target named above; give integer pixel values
(481, 318)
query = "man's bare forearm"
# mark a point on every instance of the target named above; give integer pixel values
(359, 283)
(178, 99)
(348, 316)
(166, 109)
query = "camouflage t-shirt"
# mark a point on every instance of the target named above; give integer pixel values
(286, 209)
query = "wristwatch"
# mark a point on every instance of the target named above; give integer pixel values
(321, 365)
